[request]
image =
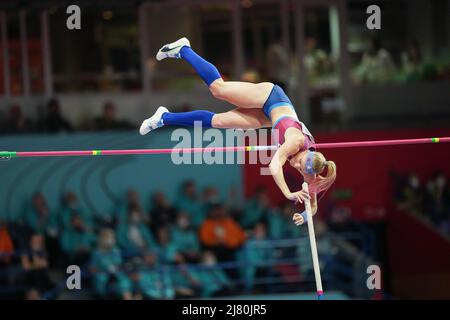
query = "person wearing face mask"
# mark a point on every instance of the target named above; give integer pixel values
(105, 266)
(133, 235)
(185, 238)
(77, 241)
(132, 203)
(187, 201)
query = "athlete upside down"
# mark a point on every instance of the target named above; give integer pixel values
(258, 105)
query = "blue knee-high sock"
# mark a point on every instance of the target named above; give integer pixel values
(207, 71)
(187, 119)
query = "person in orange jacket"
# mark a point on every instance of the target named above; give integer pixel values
(221, 233)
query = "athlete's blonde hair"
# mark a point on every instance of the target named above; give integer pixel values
(320, 164)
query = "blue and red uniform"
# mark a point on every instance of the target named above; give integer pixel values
(278, 98)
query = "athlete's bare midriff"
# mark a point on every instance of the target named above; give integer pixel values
(279, 112)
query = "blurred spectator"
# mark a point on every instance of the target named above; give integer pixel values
(278, 64)
(316, 60)
(77, 241)
(376, 65)
(214, 281)
(108, 280)
(146, 281)
(108, 120)
(411, 195)
(221, 234)
(54, 120)
(186, 282)
(254, 257)
(185, 238)
(6, 245)
(35, 265)
(324, 246)
(280, 224)
(188, 202)
(40, 219)
(133, 234)
(437, 200)
(411, 60)
(210, 196)
(341, 221)
(162, 213)
(256, 209)
(70, 207)
(167, 249)
(16, 122)
(133, 204)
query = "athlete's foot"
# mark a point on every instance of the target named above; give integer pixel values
(154, 122)
(172, 50)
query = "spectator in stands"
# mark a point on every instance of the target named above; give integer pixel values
(280, 224)
(70, 207)
(187, 200)
(162, 213)
(317, 62)
(77, 241)
(412, 195)
(277, 62)
(132, 204)
(254, 258)
(6, 245)
(108, 120)
(411, 60)
(210, 196)
(186, 282)
(256, 209)
(437, 200)
(108, 279)
(146, 281)
(376, 65)
(221, 234)
(185, 238)
(133, 235)
(40, 219)
(54, 120)
(16, 122)
(35, 265)
(324, 246)
(166, 248)
(214, 281)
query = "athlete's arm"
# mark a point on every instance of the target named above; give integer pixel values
(288, 148)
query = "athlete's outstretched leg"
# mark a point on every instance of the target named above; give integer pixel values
(236, 119)
(241, 118)
(241, 94)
